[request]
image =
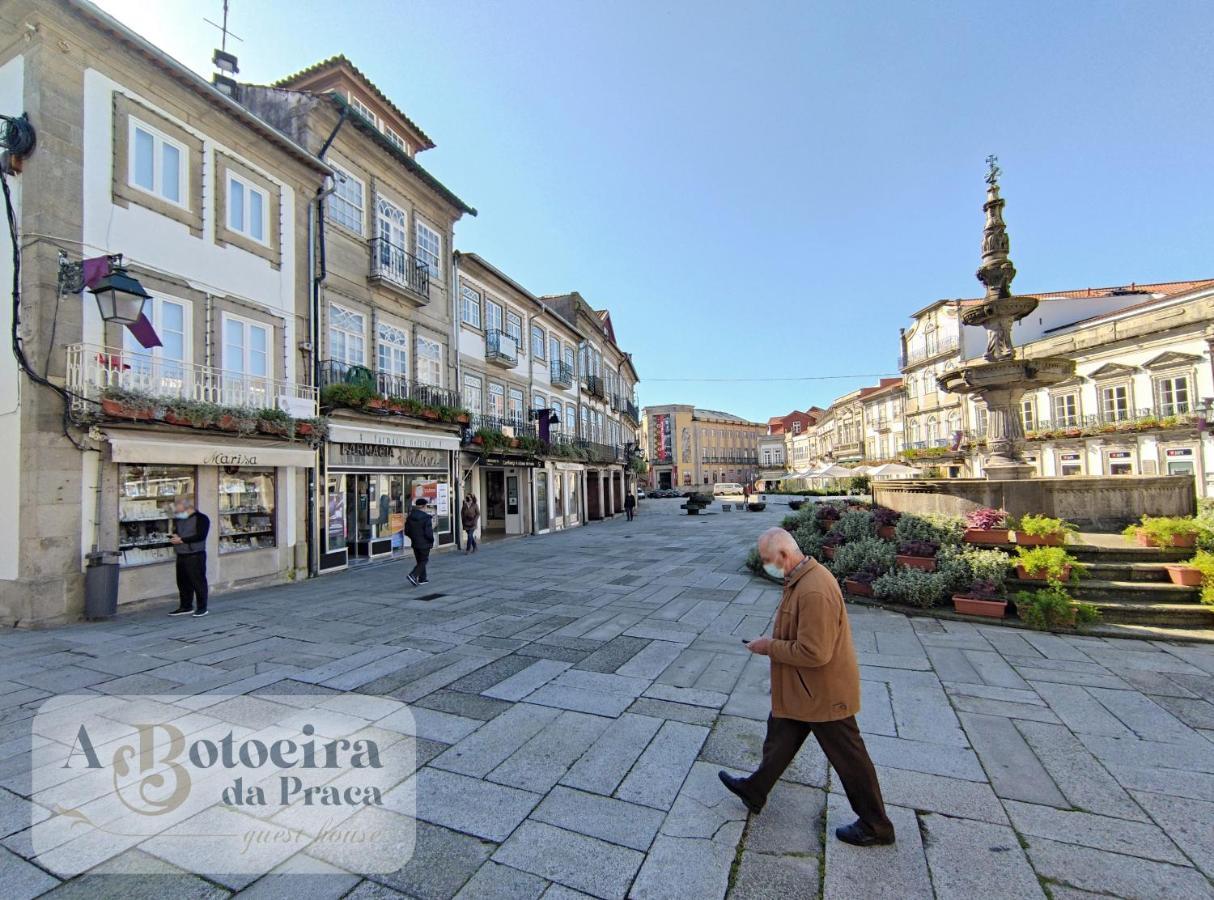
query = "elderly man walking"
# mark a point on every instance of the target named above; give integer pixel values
(815, 689)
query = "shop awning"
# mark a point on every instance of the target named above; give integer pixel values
(392, 437)
(209, 453)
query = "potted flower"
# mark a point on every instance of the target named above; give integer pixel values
(1185, 573)
(826, 516)
(378, 403)
(860, 583)
(987, 526)
(1046, 563)
(273, 421)
(122, 404)
(886, 520)
(1035, 531)
(981, 598)
(918, 554)
(429, 413)
(832, 542)
(1052, 608)
(794, 505)
(1164, 531)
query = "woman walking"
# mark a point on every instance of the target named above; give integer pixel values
(470, 517)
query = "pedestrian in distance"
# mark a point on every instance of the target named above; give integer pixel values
(419, 529)
(630, 505)
(189, 540)
(470, 518)
(815, 689)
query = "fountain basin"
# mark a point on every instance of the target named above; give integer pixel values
(1024, 374)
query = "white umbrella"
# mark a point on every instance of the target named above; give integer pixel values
(893, 470)
(835, 472)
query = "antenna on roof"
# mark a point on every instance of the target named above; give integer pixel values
(224, 61)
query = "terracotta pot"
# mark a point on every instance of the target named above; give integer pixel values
(227, 423)
(829, 552)
(266, 427)
(979, 606)
(886, 532)
(478, 440)
(859, 588)
(925, 563)
(303, 429)
(1184, 575)
(1040, 540)
(1178, 540)
(987, 535)
(171, 418)
(377, 403)
(463, 419)
(429, 414)
(1026, 575)
(120, 410)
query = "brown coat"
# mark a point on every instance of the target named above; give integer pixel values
(814, 675)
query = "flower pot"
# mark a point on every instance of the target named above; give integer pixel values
(1178, 540)
(1040, 575)
(987, 535)
(756, 507)
(979, 606)
(478, 440)
(267, 427)
(925, 563)
(859, 588)
(172, 418)
(227, 423)
(1040, 540)
(119, 409)
(429, 414)
(886, 532)
(463, 418)
(829, 552)
(1184, 575)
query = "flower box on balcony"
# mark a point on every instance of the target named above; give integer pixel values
(171, 417)
(266, 426)
(463, 418)
(430, 415)
(127, 409)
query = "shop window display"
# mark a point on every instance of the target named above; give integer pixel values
(246, 509)
(145, 510)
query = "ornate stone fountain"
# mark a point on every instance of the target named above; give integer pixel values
(1001, 382)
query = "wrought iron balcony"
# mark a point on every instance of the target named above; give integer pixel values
(92, 370)
(501, 348)
(631, 412)
(511, 426)
(595, 386)
(561, 374)
(920, 354)
(385, 384)
(398, 268)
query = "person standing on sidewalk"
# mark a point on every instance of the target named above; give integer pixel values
(630, 505)
(189, 540)
(470, 518)
(815, 689)
(419, 529)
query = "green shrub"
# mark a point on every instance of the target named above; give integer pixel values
(1051, 608)
(913, 587)
(1204, 562)
(809, 540)
(857, 525)
(753, 561)
(943, 530)
(1052, 561)
(866, 553)
(1162, 529)
(1205, 519)
(352, 396)
(1044, 526)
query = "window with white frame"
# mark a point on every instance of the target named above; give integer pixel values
(347, 336)
(245, 361)
(1172, 395)
(497, 401)
(1028, 413)
(396, 140)
(514, 406)
(514, 328)
(538, 401)
(470, 306)
(429, 247)
(569, 358)
(163, 367)
(558, 412)
(345, 205)
(363, 110)
(1066, 409)
(585, 423)
(538, 342)
(493, 315)
(158, 164)
(570, 420)
(392, 350)
(429, 361)
(472, 393)
(392, 228)
(554, 348)
(248, 206)
(1115, 402)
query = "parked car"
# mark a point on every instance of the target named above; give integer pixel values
(640, 493)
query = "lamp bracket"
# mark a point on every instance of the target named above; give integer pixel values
(71, 274)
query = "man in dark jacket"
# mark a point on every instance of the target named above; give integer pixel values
(419, 529)
(630, 504)
(189, 540)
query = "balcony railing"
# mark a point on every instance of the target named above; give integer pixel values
(501, 347)
(617, 402)
(514, 426)
(736, 458)
(93, 369)
(1091, 425)
(919, 354)
(631, 412)
(386, 384)
(596, 387)
(399, 267)
(561, 374)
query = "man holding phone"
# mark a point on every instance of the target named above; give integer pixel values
(815, 689)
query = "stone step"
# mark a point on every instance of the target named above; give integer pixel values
(1130, 553)
(1093, 590)
(1138, 572)
(1156, 614)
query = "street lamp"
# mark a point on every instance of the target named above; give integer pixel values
(120, 298)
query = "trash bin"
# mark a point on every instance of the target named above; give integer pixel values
(101, 584)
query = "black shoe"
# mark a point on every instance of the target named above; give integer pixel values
(427, 581)
(858, 834)
(201, 613)
(735, 786)
(182, 611)
(414, 580)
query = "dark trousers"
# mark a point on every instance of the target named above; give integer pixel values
(192, 580)
(628, 510)
(845, 751)
(471, 532)
(421, 556)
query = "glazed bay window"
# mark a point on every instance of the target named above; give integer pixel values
(246, 509)
(157, 163)
(429, 361)
(1172, 395)
(1115, 403)
(247, 206)
(347, 336)
(345, 205)
(470, 306)
(429, 247)
(1066, 410)
(472, 393)
(392, 351)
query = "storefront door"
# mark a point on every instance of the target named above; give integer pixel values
(514, 509)
(541, 501)
(495, 498)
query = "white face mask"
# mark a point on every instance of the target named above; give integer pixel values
(181, 515)
(773, 570)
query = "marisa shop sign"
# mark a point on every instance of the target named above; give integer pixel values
(385, 456)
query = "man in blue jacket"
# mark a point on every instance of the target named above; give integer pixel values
(419, 529)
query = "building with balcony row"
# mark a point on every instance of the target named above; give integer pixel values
(691, 447)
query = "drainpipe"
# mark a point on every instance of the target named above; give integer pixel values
(457, 476)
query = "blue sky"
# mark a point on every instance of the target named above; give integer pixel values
(766, 190)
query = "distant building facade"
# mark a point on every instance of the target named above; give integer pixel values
(690, 447)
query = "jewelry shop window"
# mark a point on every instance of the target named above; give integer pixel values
(145, 510)
(246, 509)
